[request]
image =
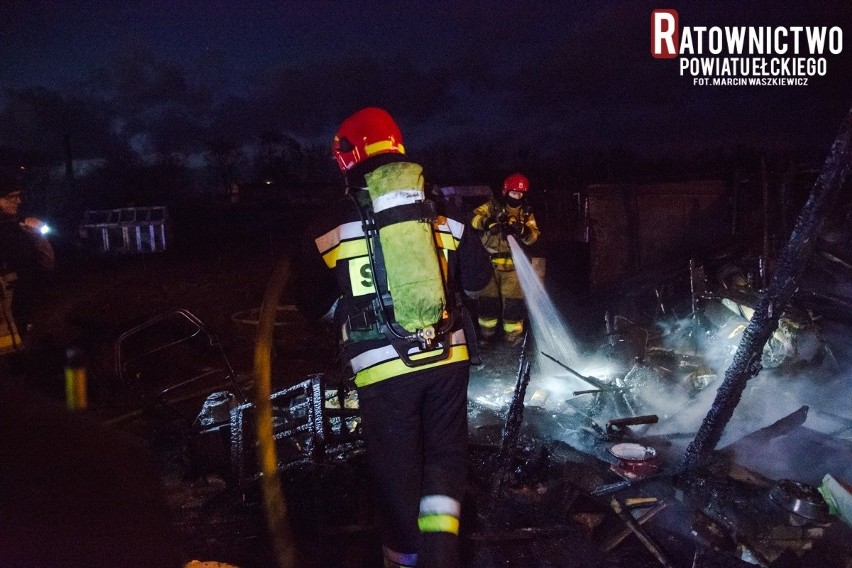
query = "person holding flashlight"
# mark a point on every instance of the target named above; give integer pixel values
(26, 257)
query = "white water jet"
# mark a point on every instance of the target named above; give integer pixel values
(549, 329)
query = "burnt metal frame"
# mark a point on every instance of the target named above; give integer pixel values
(200, 328)
(322, 438)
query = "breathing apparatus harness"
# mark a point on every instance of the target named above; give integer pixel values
(379, 316)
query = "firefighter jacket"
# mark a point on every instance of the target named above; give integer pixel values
(497, 221)
(333, 270)
(22, 272)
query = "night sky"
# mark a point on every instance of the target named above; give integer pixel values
(549, 78)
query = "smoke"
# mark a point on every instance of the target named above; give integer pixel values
(799, 369)
(804, 364)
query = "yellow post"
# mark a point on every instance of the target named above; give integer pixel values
(76, 391)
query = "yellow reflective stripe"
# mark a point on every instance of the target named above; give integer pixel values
(446, 240)
(438, 523)
(396, 367)
(510, 326)
(344, 251)
(373, 357)
(383, 146)
(448, 232)
(488, 322)
(503, 261)
(445, 263)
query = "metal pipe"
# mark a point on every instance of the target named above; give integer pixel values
(597, 383)
(597, 391)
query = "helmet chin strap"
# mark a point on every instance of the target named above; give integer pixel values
(512, 202)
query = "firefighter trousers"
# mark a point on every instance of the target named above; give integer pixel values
(415, 429)
(501, 300)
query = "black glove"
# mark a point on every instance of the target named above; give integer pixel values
(512, 227)
(491, 225)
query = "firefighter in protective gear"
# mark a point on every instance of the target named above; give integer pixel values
(413, 404)
(26, 257)
(503, 298)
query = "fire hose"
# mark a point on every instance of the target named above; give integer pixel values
(275, 507)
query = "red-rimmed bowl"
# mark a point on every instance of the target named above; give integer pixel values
(635, 459)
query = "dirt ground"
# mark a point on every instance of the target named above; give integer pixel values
(217, 267)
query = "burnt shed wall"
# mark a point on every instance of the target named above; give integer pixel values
(634, 227)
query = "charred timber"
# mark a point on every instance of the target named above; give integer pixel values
(640, 533)
(512, 428)
(627, 531)
(617, 424)
(789, 268)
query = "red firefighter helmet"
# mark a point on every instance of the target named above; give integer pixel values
(516, 182)
(366, 133)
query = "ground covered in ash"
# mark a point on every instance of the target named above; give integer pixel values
(217, 268)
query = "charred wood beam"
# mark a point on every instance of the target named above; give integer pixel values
(634, 527)
(512, 428)
(625, 532)
(790, 265)
(615, 424)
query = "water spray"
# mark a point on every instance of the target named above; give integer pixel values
(548, 326)
(595, 382)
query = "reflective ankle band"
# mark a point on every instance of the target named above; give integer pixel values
(438, 523)
(513, 326)
(439, 513)
(394, 559)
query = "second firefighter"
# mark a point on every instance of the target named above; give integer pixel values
(503, 299)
